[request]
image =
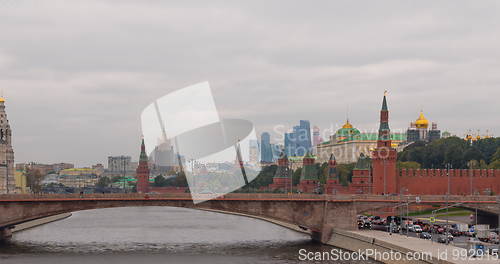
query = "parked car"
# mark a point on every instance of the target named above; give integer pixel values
(425, 235)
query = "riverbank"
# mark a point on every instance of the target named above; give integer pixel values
(39, 222)
(277, 222)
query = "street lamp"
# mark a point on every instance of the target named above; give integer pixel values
(123, 161)
(448, 167)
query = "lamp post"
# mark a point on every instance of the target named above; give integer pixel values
(123, 160)
(448, 166)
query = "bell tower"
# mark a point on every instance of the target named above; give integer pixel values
(384, 157)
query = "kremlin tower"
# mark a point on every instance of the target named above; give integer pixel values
(309, 182)
(7, 177)
(142, 172)
(282, 177)
(384, 157)
(333, 185)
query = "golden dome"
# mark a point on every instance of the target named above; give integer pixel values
(347, 125)
(2, 100)
(422, 122)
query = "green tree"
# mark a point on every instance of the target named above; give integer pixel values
(103, 182)
(496, 155)
(160, 181)
(33, 179)
(494, 165)
(452, 150)
(296, 176)
(345, 173)
(264, 178)
(181, 180)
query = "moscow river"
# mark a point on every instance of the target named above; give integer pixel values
(157, 235)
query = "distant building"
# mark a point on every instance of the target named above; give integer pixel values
(119, 163)
(419, 130)
(78, 177)
(266, 151)
(21, 182)
(163, 159)
(316, 136)
(254, 152)
(277, 149)
(7, 176)
(44, 169)
(298, 142)
(348, 143)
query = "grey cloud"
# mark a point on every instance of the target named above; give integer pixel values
(77, 74)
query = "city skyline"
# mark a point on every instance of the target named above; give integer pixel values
(87, 83)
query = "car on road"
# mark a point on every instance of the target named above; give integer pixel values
(443, 239)
(417, 229)
(450, 236)
(425, 235)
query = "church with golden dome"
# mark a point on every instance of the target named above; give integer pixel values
(420, 130)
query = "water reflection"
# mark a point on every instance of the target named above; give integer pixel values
(156, 235)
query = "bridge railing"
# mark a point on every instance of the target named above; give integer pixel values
(255, 196)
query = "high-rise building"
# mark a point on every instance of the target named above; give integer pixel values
(266, 151)
(254, 152)
(316, 136)
(119, 163)
(7, 176)
(298, 142)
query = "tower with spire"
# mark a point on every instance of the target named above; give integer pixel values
(333, 185)
(7, 177)
(282, 178)
(309, 181)
(142, 172)
(384, 157)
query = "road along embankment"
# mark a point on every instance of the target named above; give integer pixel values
(393, 249)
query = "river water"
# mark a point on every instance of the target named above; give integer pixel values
(157, 235)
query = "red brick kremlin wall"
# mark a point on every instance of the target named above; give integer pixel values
(435, 181)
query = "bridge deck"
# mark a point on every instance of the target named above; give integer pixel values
(252, 197)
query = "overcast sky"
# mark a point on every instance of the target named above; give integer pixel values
(77, 74)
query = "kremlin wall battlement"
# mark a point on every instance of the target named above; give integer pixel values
(435, 181)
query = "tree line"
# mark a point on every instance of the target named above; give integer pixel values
(458, 153)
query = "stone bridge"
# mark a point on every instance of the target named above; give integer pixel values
(317, 213)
